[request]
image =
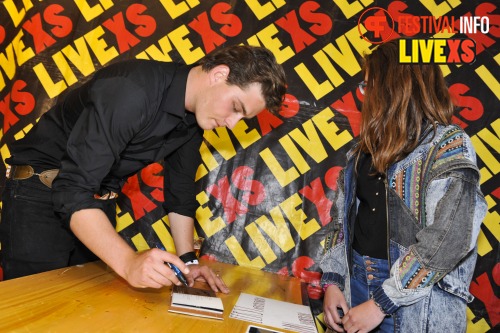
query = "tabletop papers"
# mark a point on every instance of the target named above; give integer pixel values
(196, 302)
(279, 314)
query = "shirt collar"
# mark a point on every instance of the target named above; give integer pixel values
(176, 94)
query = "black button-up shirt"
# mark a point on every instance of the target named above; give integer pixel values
(127, 116)
(370, 228)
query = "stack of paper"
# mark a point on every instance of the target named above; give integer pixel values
(196, 302)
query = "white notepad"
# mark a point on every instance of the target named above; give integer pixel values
(196, 302)
(270, 312)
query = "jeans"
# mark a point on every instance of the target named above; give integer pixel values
(367, 275)
(33, 239)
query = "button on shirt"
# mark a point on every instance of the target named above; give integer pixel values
(127, 116)
(370, 227)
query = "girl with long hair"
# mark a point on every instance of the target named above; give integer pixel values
(407, 213)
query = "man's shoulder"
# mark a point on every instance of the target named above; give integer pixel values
(146, 63)
(137, 67)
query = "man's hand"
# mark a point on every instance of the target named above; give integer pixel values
(182, 229)
(363, 318)
(141, 270)
(148, 269)
(205, 273)
(144, 269)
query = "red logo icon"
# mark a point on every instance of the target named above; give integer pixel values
(378, 23)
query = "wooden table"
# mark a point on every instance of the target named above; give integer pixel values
(92, 298)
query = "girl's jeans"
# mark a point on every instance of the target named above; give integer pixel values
(367, 274)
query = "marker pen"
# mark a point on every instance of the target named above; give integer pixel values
(175, 269)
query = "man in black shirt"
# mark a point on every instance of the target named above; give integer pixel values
(130, 114)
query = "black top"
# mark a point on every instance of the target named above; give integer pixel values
(370, 228)
(129, 115)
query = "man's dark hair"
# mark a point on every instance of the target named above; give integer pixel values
(250, 64)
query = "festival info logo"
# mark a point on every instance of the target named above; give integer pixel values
(376, 26)
(378, 23)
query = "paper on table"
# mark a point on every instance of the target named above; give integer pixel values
(279, 314)
(196, 302)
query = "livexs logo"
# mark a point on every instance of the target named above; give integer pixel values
(376, 26)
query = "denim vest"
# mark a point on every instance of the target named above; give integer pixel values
(434, 210)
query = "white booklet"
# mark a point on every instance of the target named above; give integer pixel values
(196, 302)
(270, 312)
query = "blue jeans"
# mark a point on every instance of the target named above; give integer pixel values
(367, 275)
(33, 238)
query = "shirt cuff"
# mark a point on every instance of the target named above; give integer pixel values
(330, 278)
(384, 302)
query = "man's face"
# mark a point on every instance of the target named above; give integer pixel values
(224, 105)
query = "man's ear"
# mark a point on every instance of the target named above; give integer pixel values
(219, 73)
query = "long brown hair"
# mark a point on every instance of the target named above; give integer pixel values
(399, 99)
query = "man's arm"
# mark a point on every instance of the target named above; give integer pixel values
(147, 268)
(141, 270)
(182, 229)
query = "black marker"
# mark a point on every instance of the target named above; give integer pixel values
(175, 269)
